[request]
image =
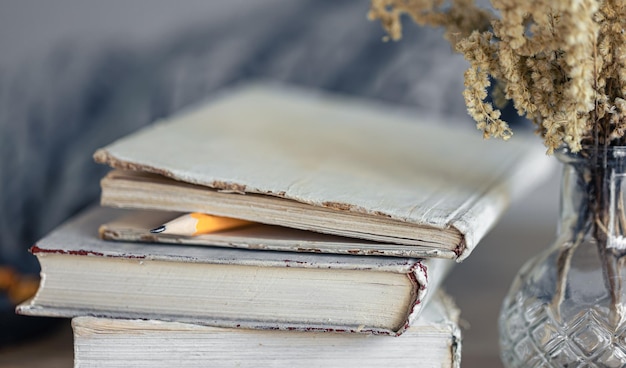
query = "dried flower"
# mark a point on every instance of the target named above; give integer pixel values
(562, 63)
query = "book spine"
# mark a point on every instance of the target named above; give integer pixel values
(419, 277)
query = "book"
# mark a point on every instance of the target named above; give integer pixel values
(83, 275)
(433, 341)
(327, 163)
(135, 226)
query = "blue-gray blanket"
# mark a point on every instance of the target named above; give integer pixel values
(56, 111)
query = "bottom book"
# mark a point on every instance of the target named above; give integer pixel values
(433, 341)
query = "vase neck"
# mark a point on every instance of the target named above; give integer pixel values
(592, 195)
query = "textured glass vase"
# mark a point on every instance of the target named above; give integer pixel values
(566, 306)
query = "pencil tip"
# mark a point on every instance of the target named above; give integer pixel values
(157, 230)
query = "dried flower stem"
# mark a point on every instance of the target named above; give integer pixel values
(563, 263)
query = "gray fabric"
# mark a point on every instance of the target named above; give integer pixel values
(55, 112)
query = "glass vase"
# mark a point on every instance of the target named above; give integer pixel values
(566, 306)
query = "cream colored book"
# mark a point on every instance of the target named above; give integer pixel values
(135, 225)
(83, 275)
(433, 341)
(325, 163)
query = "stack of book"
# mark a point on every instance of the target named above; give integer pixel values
(355, 211)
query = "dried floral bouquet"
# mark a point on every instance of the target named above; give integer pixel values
(563, 66)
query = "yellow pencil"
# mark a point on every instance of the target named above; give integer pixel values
(195, 223)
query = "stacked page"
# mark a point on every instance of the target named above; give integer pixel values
(353, 214)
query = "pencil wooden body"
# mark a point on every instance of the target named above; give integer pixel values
(195, 223)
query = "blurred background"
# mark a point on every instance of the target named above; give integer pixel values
(75, 75)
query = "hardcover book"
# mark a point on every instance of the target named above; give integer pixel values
(325, 163)
(433, 341)
(83, 275)
(135, 226)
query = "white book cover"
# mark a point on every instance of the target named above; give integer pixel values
(326, 163)
(83, 275)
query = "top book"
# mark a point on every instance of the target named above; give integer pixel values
(328, 163)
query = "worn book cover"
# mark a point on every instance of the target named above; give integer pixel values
(83, 275)
(326, 163)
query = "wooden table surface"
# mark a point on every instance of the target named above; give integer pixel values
(478, 285)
